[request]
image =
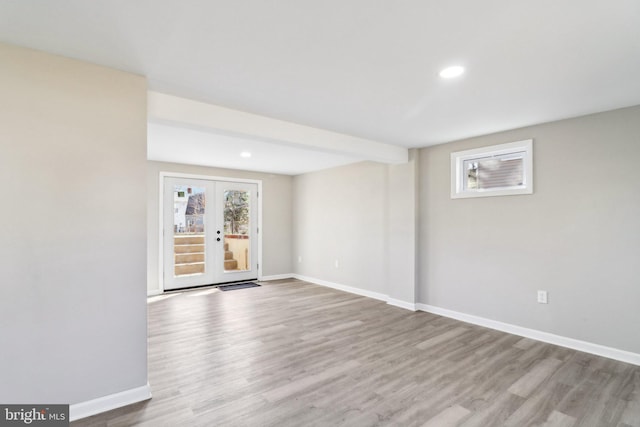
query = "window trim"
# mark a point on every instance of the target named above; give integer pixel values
(457, 170)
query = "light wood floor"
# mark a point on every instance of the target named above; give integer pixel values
(294, 354)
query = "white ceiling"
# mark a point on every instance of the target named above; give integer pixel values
(189, 146)
(358, 67)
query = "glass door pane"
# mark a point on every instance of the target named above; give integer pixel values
(189, 242)
(237, 247)
(237, 222)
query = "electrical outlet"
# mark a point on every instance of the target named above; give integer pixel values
(299, 258)
(542, 297)
(337, 264)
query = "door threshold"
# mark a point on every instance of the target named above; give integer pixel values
(212, 285)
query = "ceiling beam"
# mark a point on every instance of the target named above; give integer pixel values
(169, 109)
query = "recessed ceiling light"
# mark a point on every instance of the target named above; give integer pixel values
(245, 154)
(451, 72)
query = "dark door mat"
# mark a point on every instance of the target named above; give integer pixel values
(235, 286)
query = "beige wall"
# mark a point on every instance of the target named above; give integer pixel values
(276, 215)
(73, 261)
(577, 236)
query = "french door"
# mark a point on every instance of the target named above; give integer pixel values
(210, 232)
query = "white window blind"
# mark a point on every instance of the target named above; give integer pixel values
(498, 170)
(504, 171)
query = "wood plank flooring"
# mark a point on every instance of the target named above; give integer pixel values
(294, 354)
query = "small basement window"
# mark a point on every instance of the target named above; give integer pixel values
(498, 170)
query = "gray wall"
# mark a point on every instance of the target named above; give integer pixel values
(402, 229)
(276, 216)
(72, 166)
(341, 214)
(577, 236)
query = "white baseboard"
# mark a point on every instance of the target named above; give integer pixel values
(363, 292)
(107, 403)
(401, 304)
(584, 346)
(350, 289)
(154, 292)
(587, 347)
(276, 277)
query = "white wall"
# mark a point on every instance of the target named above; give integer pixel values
(72, 221)
(276, 216)
(577, 236)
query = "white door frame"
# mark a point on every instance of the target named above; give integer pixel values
(164, 175)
